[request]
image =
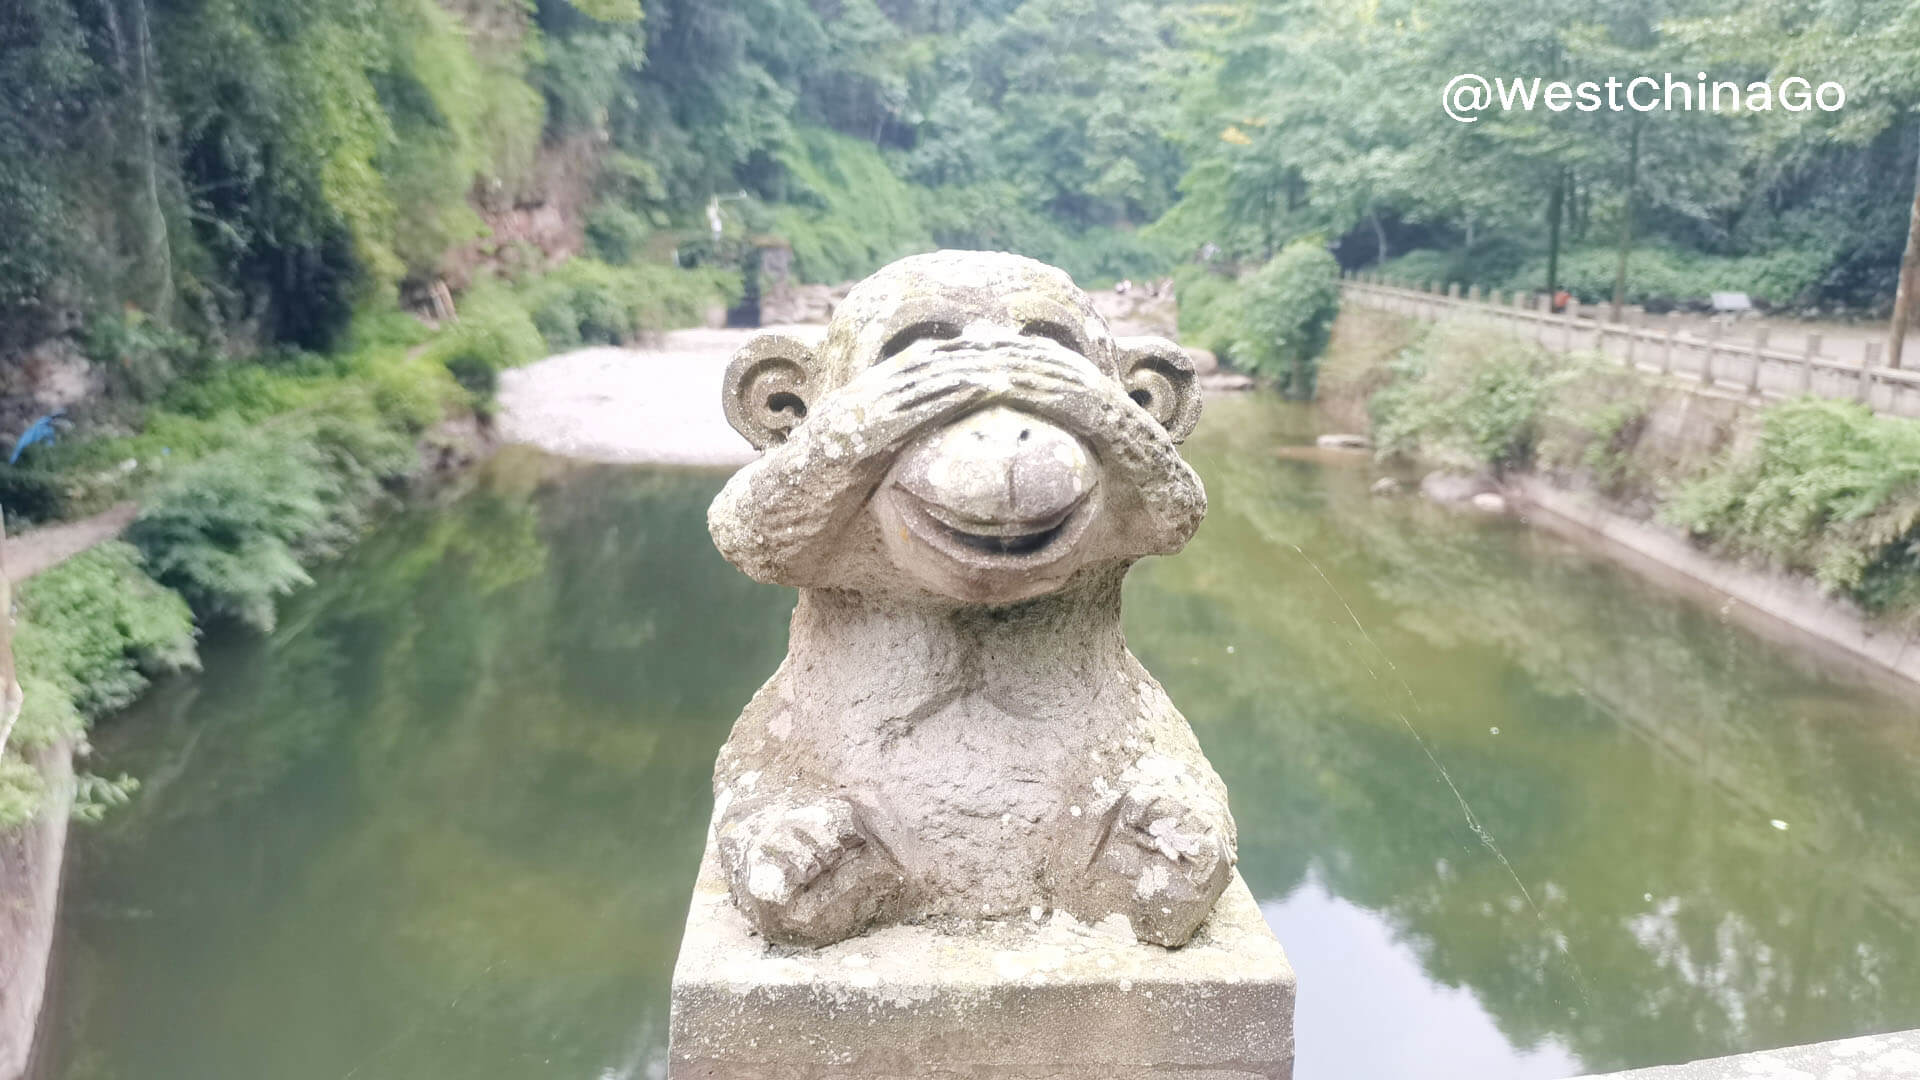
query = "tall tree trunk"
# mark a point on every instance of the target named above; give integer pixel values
(1556, 202)
(1626, 222)
(156, 255)
(1903, 299)
(1379, 237)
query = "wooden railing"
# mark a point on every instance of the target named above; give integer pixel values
(1718, 353)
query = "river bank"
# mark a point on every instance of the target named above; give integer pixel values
(441, 823)
(228, 491)
(1656, 470)
(656, 405)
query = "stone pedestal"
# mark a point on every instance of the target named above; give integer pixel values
(1050, 998)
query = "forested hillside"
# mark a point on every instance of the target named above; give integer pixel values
(252, 172)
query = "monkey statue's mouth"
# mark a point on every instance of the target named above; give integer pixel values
(969, 538)
(992, 507)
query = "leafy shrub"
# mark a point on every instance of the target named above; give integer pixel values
(494, 333)
(410, 393)
(91, 632)
(1469, 399)
(142, 357)
(31, 494)
(616, 234)
(246, 390)
(1285, 313)
(1273, 321)
(589, 302)
(1488, 262)
(1829, 488)
(231, 532)
(1659, 275)
(1463, 401)
(21, 790)
(224, 532)
(1208, 307)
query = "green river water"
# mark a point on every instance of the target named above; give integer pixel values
(1513, 810)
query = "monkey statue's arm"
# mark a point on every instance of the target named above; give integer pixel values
(1143, 461)
(803, 861)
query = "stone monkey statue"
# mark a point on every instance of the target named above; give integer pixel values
(957, 480)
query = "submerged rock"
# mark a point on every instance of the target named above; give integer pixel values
(1452, 487)
(1226, 382)
(1344, 442)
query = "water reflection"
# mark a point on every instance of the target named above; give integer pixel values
(1365, 981)
(443, 823)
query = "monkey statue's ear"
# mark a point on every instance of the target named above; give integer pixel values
(1158, 375)
(769, 386)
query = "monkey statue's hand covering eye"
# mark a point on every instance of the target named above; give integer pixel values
(957, 480)
(788, 517)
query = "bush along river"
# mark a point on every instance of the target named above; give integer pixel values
(1513, 811)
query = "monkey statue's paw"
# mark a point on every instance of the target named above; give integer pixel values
(807, 874)
(1165, 852)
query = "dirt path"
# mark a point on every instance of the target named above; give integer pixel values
(657, 405)
(31, 552)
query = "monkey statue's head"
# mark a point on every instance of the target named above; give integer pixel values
(969, 431)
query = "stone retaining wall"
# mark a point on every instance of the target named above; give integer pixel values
(30, 862)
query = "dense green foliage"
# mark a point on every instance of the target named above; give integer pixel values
(1466, 399)
(1323, 117)
(1272, 321)
(587, 302)
(88, 636)
(90, 632)
(1472, 400)
(232, 531)
(1285, 314)
(1827, 488)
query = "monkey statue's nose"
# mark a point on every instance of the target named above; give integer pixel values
(998, 468)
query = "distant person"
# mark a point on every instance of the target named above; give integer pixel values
(1560, 301)
(1124, 287)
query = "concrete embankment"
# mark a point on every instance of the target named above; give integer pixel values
(1795, 601)
(30, 862)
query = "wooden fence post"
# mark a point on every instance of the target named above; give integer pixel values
(1573, 322)
(1806, 364)
(1713, 346)
(1760, 336)
(1633, 332)
(1666, 354)
(1869, 359)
